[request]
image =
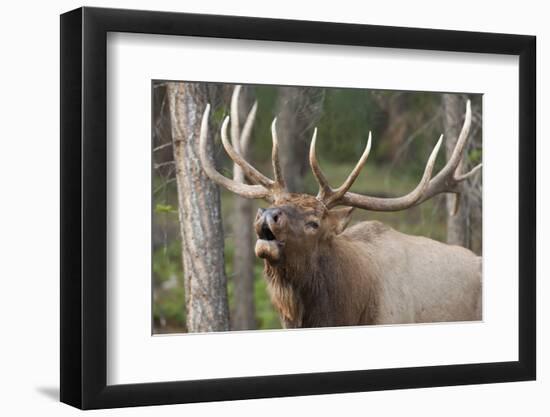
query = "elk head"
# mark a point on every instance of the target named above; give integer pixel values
(298, 223)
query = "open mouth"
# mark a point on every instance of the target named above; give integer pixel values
(265, 233)
(267, 245)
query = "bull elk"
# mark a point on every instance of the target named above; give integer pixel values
(321, 273)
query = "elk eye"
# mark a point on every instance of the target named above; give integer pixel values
(313, 225)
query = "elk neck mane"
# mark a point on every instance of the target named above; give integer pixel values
(305, 288)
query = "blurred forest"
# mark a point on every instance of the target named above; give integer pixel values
(405, 126)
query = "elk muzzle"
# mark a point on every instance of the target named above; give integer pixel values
(269, 225)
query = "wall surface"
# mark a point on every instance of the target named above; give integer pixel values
(29, 219)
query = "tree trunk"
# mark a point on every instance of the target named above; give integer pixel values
(244, 313)
(199, 214)
(298, 109)
(458, 224)
(394, 106)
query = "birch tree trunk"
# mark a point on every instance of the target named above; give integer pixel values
(199, 214)
(298, 110)
(457, 224)
(244, 313)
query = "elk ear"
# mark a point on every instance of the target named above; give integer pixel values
(340, 218)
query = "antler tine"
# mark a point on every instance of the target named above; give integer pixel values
(448, 179)
(472, 172)
(252, 173)
(248, 124)
(456, 156)
(338, 193)
(235, 124)
(459, 149)
(398, 203)
(277, 172)
(324, 187)
(326, 193)
(239, 142)
(244, 190)
(240, 139)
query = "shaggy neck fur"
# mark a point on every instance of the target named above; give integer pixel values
(314, 291)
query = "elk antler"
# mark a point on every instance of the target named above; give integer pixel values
(244, 190)
(326, 193)
(239, 141)
(262, 186)
(446, 181)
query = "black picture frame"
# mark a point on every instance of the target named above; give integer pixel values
(84, 207)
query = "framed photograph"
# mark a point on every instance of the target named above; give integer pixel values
(257, 208)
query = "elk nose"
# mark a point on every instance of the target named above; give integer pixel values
(273, 214)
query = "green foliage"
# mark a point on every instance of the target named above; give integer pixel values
(165, 208)
(474, 156)
(167, 262)
(348, 115)
(170, 308)
(169, 297)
